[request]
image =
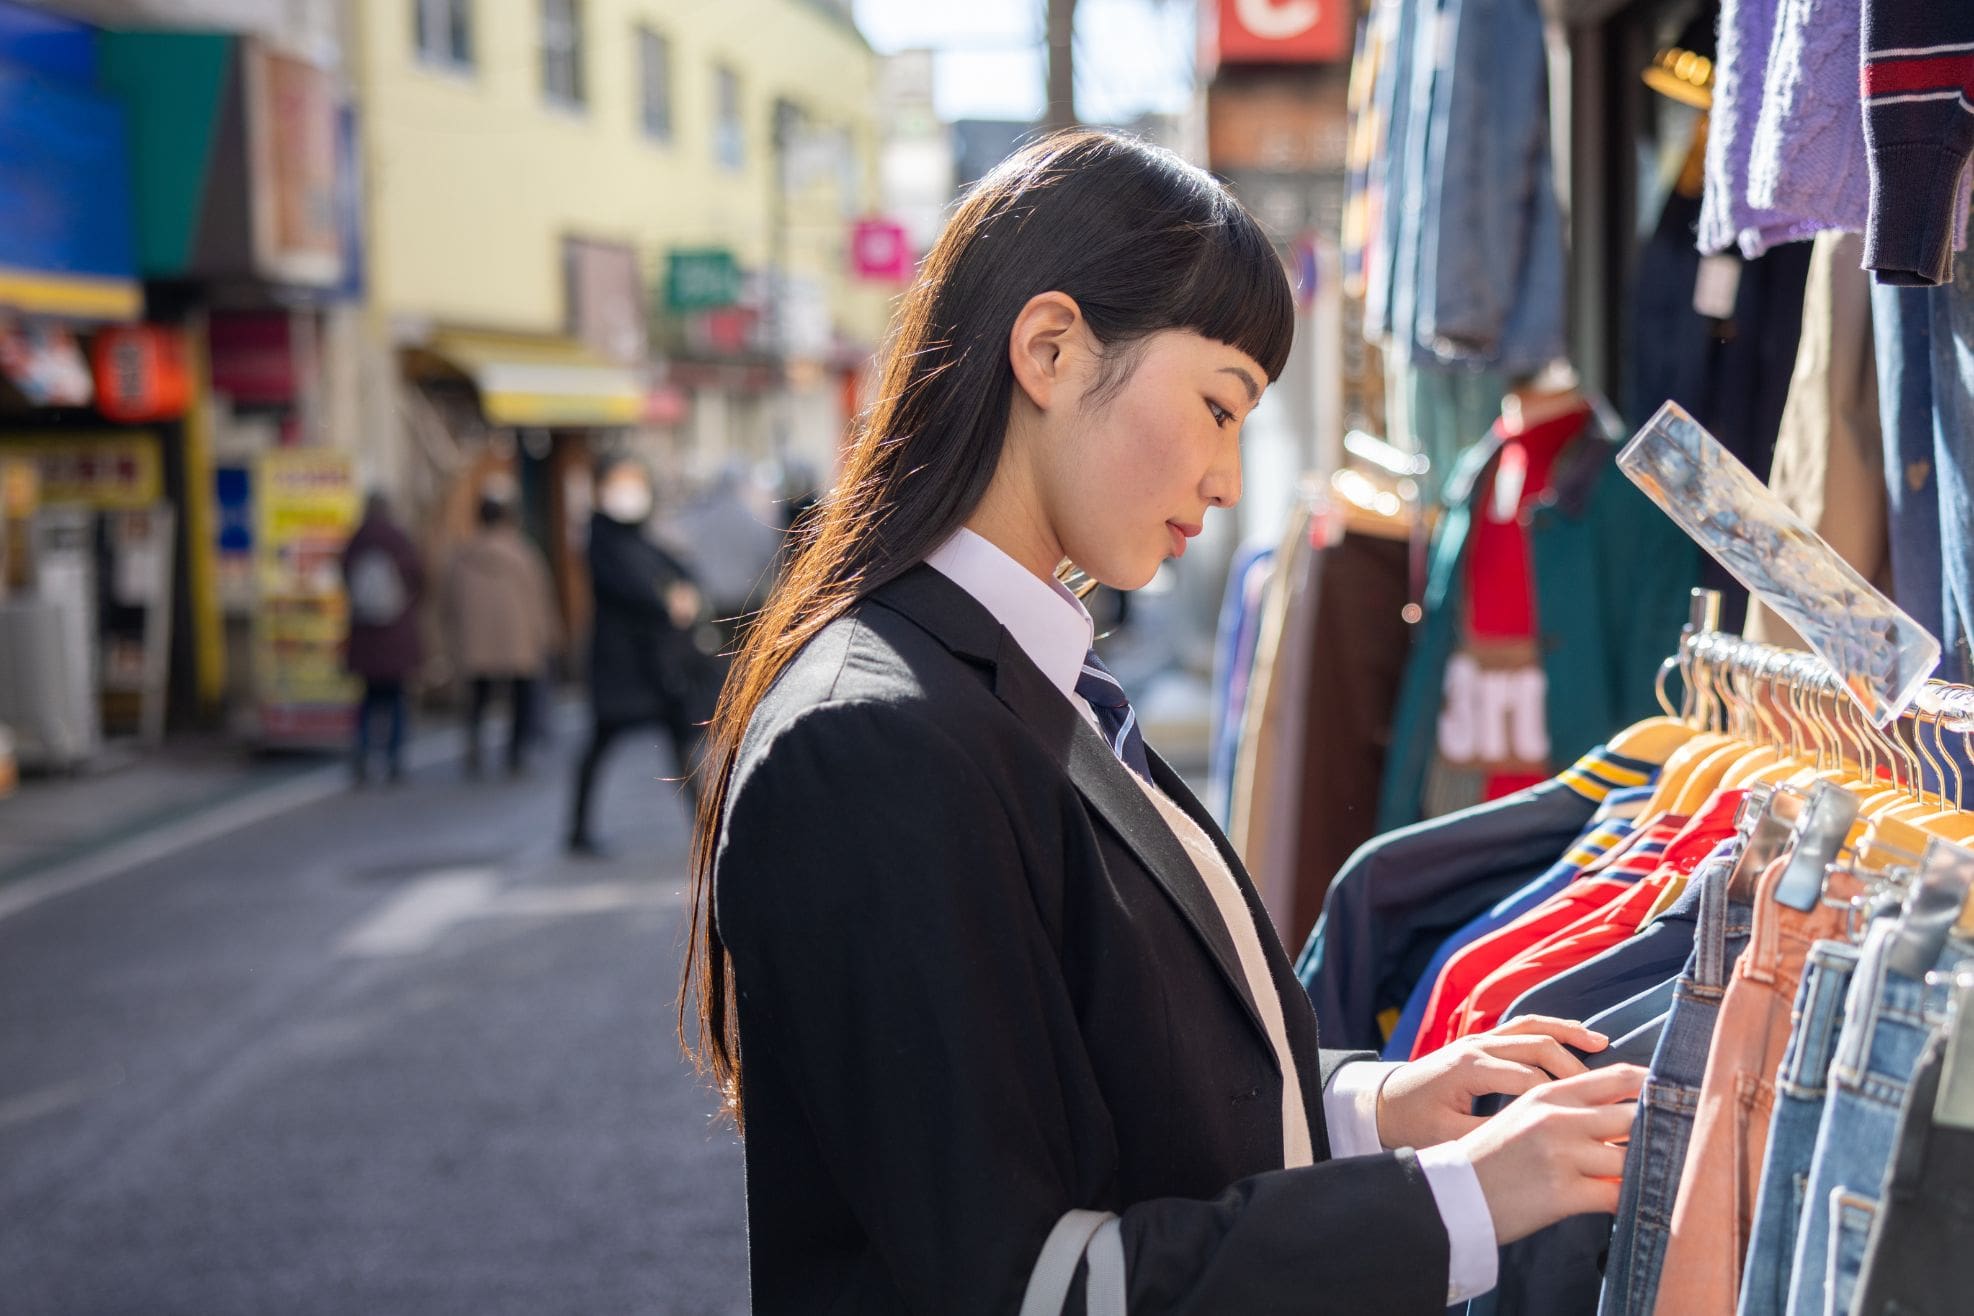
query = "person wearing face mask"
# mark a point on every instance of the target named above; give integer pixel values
(643, 668)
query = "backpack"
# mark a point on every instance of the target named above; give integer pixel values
(377, 592)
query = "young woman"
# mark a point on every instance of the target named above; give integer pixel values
(971, 960)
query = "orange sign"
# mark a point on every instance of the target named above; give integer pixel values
(140, 373)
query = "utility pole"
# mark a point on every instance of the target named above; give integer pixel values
(1062, 65)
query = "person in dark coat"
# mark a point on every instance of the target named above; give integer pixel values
(384, 581)
(643, 666)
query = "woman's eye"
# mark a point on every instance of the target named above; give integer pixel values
(1220, 414)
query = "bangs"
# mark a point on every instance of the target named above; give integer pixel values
(1238, 292)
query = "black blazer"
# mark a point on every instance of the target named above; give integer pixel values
(980, 984)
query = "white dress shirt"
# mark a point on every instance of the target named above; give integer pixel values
(1055, 630)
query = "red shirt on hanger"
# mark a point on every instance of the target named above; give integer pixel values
(1494, 719)
(1599, 930)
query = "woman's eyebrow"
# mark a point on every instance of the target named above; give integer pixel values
(1247, 382)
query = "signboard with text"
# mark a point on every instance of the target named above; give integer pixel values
(701, 280)
(1283, 31)
(306, 506)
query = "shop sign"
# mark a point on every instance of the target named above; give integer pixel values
(141, 373)
(1283, 31)
(252, 356)
(731, 331)
(45, 364)
(306, 507)
(68, 243)
(701, 280)
(104, 470)
(880, 249)
(605, 298)
(664, 404)
(293, 130)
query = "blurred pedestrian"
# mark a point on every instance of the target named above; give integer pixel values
(501, 621)
(383, 580)
(644, 668)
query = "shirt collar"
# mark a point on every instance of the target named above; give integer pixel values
(1049, 623)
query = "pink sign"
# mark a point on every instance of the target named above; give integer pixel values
(880, 250)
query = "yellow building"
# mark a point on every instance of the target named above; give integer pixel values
(551, 184)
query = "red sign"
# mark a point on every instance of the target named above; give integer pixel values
(881, 249)
(1284, 31)
(253, 356)
(140, 373)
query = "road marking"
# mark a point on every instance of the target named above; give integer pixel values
(58, 1096)
(413, 919)
(588, 898)
(16, 897)
(132, 855)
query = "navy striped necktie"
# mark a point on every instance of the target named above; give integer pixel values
(1115, 717)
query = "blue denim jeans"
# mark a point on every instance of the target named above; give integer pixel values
(1887, 1019)
(1792, 1128)
(1953, 451)
(1902, 325)
(1656, 1155)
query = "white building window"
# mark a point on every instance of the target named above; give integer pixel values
(654, 77)
(562, 52)
(443, 30)
(729, 133)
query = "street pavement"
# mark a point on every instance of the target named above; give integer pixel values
(386, 1051)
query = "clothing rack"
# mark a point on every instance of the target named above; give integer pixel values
(1793, 698)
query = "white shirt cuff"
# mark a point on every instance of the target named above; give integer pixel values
(1350, 1107)
(1473, 1264)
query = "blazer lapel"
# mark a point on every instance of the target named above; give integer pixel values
(1117, 798)
(958, 621)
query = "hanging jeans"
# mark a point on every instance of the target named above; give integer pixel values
(1888, 1017)
(1902, 328)
(1715, 1206)
(1953, 438)
(1918, 1262)
(1656, 1154)
(1799, 1096)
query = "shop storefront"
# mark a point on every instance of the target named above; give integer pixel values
(89, 402)
(1629, 681)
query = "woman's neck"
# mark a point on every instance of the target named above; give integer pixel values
(1010, 518)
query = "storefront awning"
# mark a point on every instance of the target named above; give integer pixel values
(69, 296)
(542, 381)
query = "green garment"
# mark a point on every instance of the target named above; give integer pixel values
(1613, 576)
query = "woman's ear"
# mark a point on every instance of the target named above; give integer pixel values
(1049, 330)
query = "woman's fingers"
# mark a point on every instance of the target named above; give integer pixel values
(1544, 1052)
(1497, 1074)
(1600, 1087)
(1567, 1031)
(1601, 1161)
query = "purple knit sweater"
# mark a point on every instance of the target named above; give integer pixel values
(1746, 27)
(1808, 168)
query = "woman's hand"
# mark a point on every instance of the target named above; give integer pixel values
(1555, 1151)
(1430, 1100)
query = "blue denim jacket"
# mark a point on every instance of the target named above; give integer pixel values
(1471, 265)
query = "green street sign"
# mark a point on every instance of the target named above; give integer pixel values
(706, 279)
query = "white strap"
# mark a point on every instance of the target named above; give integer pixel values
(1055, 1268)
(1104, 1295)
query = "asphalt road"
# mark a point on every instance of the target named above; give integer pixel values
(390, 1052)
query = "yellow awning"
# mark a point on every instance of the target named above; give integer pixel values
(72, 296)
(542, 381)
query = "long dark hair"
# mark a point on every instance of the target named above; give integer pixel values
(1143, 242)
